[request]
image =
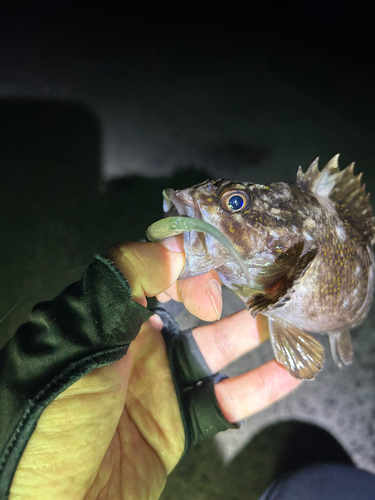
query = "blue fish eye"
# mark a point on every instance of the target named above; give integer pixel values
(236, 202)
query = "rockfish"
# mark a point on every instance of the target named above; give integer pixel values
(299, 253)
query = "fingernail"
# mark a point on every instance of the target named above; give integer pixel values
(214, 292)
(172, 244)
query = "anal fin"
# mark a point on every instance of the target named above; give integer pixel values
(341, 348)
(300, 353)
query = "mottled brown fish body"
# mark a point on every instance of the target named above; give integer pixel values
(308, 248)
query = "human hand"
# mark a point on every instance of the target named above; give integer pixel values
(117, 432)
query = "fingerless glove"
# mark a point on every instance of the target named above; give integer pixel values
(90, 324)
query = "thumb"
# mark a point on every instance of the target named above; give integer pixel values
(150, 268)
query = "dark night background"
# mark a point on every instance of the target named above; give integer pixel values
(102, 105)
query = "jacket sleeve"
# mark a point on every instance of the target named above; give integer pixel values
(90, 324)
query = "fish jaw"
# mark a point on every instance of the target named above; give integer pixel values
(195, 252)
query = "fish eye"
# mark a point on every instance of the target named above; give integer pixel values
(235, 200)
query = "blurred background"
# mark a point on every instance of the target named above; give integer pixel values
(104, 104)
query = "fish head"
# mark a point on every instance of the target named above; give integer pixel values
(255, 219)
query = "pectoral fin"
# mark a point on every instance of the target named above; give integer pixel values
(300, 353)
(278, 279)
(341, 348)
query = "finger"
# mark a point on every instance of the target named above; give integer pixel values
(150, 268)
(230, 338)
(163, 297)
(242, 396)
(171, 293)
(201, 295)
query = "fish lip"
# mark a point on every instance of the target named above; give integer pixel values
(172, 205)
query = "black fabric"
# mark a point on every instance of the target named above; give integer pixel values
(191, 363)
(172, 307)
(90, 324)
(323, 481)
(194, 382)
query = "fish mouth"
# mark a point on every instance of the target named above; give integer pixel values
(172, 205)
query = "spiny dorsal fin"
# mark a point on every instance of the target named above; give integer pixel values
(343, 190)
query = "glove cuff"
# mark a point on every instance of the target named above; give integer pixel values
(206, 417)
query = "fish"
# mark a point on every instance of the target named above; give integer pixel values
(299, 253)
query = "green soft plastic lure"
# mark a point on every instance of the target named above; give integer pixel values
(172, 226)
